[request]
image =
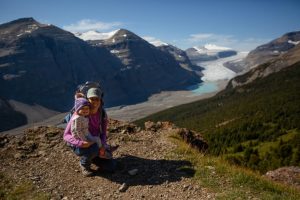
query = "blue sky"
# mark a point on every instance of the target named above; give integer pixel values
(239, 24)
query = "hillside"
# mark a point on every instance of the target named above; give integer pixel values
(266, 52)
(7, 112)
(38, 165)
(255, 125)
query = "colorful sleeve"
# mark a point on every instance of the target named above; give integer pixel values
(69, 138)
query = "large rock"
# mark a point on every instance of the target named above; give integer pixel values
(194, 139)
(287, 175)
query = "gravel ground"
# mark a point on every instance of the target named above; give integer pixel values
(40, 155)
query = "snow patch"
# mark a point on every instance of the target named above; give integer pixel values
(95, 35)
(114, 51)
(294, 42)
(154, 41)
(210, 49)
(215, 47)
(126, 68)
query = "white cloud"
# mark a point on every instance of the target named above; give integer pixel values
(245, 44)
(201, 36)
(204, 38)
(154, 41)
(88, 24)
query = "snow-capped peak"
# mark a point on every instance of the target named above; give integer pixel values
(215, 47)
(210, 49)
(95, 35)
(154, 41)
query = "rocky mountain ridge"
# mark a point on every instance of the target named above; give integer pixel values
(181, 57)
(208, 53)
(286, 59)
(267, 52)
(157, 70)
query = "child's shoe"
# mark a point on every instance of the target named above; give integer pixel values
(86, 171)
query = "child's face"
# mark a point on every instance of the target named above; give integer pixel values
(84, 111)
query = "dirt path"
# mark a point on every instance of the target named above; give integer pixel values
(42, 157)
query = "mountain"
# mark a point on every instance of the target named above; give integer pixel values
(254, 124)
(181, 57)
(97, 38)
(208, 52)
(43, 64)
(267, 52)
(276, 64)
(94, 35)
(146, 66)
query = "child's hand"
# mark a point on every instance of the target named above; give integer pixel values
(86, 144)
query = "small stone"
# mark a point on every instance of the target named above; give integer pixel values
(42, 153)
(133, 172)
(35, 178)
(210, 167)
(18, 156)
(123, 187)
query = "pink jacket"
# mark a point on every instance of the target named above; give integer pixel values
(69, 138)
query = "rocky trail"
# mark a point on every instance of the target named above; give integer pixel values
(146, 165)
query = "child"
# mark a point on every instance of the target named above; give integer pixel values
(80, 122)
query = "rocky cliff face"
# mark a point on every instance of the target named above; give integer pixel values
(181, 57)
(287, 59)
(267, 52)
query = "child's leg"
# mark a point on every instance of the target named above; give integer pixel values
(87, 154)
